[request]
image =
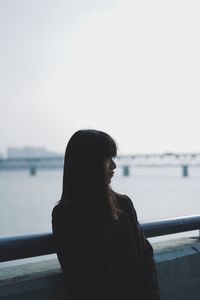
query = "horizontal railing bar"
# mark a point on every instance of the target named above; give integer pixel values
(171, 226)
(19, 247)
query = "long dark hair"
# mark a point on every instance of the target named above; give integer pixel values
(84, 181)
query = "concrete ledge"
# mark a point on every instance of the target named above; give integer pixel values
(39, 280)
(178, 263)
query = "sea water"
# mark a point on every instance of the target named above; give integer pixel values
(26, 201)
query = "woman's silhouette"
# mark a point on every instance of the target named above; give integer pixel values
(100, 245)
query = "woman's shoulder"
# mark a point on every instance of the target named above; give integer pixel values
(61, 211)
(126, 203)
(124, 199)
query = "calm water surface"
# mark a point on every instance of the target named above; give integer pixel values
(26, 201)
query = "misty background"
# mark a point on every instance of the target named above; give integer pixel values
(130, 68)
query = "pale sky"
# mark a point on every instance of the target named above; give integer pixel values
(130, 68)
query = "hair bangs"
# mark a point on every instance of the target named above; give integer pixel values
(112, 147)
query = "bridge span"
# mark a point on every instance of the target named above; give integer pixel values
(125, 162)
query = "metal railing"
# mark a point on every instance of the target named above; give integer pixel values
(20, 247)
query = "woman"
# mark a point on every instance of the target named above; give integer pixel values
(100, 245)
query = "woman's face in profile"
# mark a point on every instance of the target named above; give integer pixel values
(109, 166)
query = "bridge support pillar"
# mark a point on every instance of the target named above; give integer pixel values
(32, 171)
(185, 171)
(126, 170)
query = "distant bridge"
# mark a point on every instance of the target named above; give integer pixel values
(183, 160)
(32, 164)
(126, 162)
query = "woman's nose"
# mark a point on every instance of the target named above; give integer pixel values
(113, 164)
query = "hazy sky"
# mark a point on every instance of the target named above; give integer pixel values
(130, 68)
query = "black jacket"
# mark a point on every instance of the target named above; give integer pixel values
(108, 262)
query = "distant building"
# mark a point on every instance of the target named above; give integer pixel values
(29, 152)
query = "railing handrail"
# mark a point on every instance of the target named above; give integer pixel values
(19, 247)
